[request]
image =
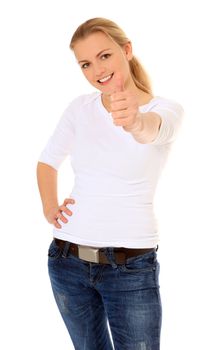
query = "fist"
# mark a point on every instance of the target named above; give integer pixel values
(124, 105)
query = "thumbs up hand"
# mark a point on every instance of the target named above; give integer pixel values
(124, 105)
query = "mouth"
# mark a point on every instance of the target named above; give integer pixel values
(105, 80)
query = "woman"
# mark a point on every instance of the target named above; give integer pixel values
(102, 260)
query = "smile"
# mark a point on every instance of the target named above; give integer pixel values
(105, 79)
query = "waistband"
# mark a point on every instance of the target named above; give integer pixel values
(97, 255)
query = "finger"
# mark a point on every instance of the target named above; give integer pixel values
(123, 113)
(120, 121)
(118, 105)
(61, 217)
(66, 210)
(69, 200)
(56, 224)
(117, 86)
(119, 82)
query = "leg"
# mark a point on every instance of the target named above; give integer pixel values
(80, 305)
(133, 304)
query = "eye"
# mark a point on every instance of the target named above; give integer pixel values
(105, 56)
(85, 65)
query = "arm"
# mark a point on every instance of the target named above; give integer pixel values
(160, 125)
(47, 183)
(59, 145)
(146, 127)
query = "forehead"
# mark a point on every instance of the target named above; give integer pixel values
(93, 44)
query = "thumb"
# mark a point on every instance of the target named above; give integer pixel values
(119, 83)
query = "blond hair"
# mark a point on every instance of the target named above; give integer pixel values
(111, 29)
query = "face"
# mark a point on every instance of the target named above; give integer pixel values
(100, 59)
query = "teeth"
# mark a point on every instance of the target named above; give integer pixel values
(105, 79)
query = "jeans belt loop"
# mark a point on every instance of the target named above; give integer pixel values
(66, 249)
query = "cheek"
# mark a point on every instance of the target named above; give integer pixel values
(88, 75)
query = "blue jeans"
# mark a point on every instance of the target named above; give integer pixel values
(96, 300)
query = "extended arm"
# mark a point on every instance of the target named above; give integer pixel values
(146, 127)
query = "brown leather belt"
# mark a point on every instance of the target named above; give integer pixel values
(97, 255)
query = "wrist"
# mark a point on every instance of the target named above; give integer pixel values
(48, 209)
(136, 126)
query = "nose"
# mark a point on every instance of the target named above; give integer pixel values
(99, 70)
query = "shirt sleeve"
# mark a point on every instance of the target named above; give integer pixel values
(60, 143)
(171, 114)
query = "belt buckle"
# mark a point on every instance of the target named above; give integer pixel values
(88, 253)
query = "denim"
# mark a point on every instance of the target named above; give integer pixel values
(108, 306)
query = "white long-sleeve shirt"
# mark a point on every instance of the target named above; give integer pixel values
(115, 176)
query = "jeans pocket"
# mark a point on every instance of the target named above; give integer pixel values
(146, 262)
(54, 252)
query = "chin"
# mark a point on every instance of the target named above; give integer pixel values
(104, 91)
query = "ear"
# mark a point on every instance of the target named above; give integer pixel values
(127, 48)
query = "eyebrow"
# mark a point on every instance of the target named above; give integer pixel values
(96, 55)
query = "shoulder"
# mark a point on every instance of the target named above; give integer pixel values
(78, 106)
(83, 100)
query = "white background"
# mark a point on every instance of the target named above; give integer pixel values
(176, 42)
